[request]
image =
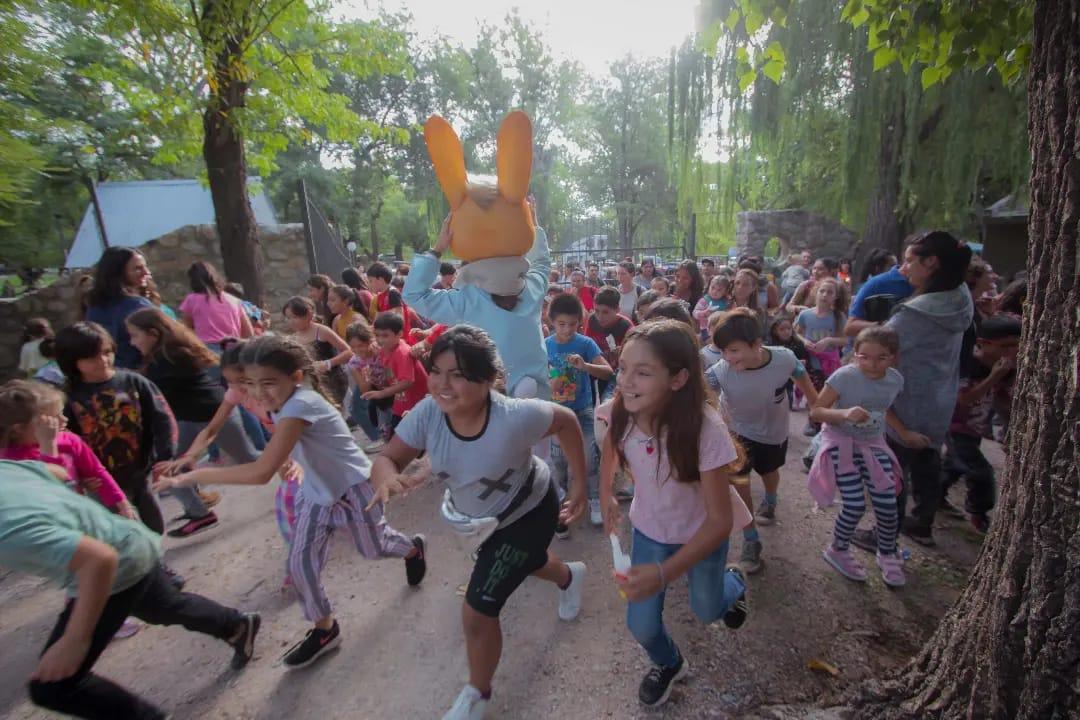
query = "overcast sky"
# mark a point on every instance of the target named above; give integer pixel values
(593, 32)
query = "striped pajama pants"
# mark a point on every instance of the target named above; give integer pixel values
(853, 488)
(369, 531)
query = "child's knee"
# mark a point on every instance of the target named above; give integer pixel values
(644, 625)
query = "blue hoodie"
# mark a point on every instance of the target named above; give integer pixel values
(517, 333)
(931, 328)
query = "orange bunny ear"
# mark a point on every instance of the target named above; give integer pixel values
(448, 158)
(513, 156)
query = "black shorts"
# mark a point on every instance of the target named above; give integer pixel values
(762, 458)
(510, 555)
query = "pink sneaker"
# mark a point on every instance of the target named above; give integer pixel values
(892, 569)
(845, 563)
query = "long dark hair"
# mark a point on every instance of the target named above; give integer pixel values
(697, 280)
(177, 344)
(877, 262)
(353, 278)
(109, 276)
(205, 279)
(953, 258)
(284, 355)
(350, 297)
(679, 423)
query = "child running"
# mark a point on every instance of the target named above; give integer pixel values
(111, 568)
(324, 345)
(32, 427)
(782, 334)
(405, 377)
(480, 444)
(677, 447)
(121, 415)
(854, 457)
(574, 361)
(752, 378)
(335, 494)
(179, 363)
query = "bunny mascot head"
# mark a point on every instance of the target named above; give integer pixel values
(492, 224)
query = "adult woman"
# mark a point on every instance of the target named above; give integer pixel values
(210, 311)
(119, 280)
(768, 294)
(648, 272)
(364, 296)
(472, 434)
(804, 297)
(931, 325)
(689, 283)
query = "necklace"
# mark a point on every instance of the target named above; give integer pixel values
(649, 443)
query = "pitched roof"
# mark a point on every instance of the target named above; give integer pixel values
(136, 212)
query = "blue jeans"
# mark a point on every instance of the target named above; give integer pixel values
(360, 411)
(255, 431)
(713, 591)
(559, 468)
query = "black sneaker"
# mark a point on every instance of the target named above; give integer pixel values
(245, 644)
(416, 566)
(865, 539)
(316, 643)
(918, 532)
(655, 687)
(736, 615)
(194, 527)
(947, 508)
(561, 531)
(175, 579)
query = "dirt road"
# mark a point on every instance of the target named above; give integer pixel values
(402, 655)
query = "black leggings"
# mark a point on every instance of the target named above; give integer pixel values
(152, 599)
(145, 503)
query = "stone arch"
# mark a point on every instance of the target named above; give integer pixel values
(797, 230)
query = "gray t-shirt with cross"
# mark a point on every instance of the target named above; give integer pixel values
(486, 472)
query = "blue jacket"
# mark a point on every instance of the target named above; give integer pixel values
(112, 317)
(517, 333)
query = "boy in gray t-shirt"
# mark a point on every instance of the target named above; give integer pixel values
(752, 379)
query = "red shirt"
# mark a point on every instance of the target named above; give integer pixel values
(600, 335)
(586, 295)
(401, 365)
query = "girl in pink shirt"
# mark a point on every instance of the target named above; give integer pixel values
(678, 449)
(32, 426)
(211, 312)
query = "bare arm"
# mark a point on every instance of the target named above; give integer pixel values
(567, 430)
(286, 434)
(807, 387)
(909, 438)
(94, 566)
(344, 352)
(854, 326)
(386, 469)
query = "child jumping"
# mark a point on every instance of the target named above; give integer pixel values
(752, 378)
(854, 457)
(679, 450)
(335, 494)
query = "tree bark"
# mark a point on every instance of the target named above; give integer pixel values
(1010, 647)
(883, 228)
(226, 166)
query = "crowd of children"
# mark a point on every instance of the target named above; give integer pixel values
(532, 404)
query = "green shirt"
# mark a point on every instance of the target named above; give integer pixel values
(42, 522)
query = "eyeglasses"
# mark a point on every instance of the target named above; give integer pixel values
(873, 358)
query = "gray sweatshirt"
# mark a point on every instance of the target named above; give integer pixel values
(931, 328)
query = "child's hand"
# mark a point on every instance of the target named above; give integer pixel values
(290, 471)
(384, 491)
(373, 395)
(915, 440)
(856, 415)
(575, 361)
(46, 428)
(572, 508)
(419, 350)
(612, 516)
(322, 366)
(641, 582)
(811, 345)
(124, 509)
(445, 236)
(62, 659)
(1002, 367)
(171, 467)
(182, 480)
(418, 333)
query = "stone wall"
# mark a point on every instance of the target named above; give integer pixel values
(285, 262)
(797, 230)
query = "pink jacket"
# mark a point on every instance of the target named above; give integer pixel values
(822, 479)
(81, 464)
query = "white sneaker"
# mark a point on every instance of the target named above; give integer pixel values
(470, 705)
(595, 517)
(570, 598)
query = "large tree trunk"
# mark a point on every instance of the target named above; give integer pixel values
(223, 152)
(883, 228)
(1010, 647)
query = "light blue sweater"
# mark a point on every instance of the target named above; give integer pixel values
(517, 333)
